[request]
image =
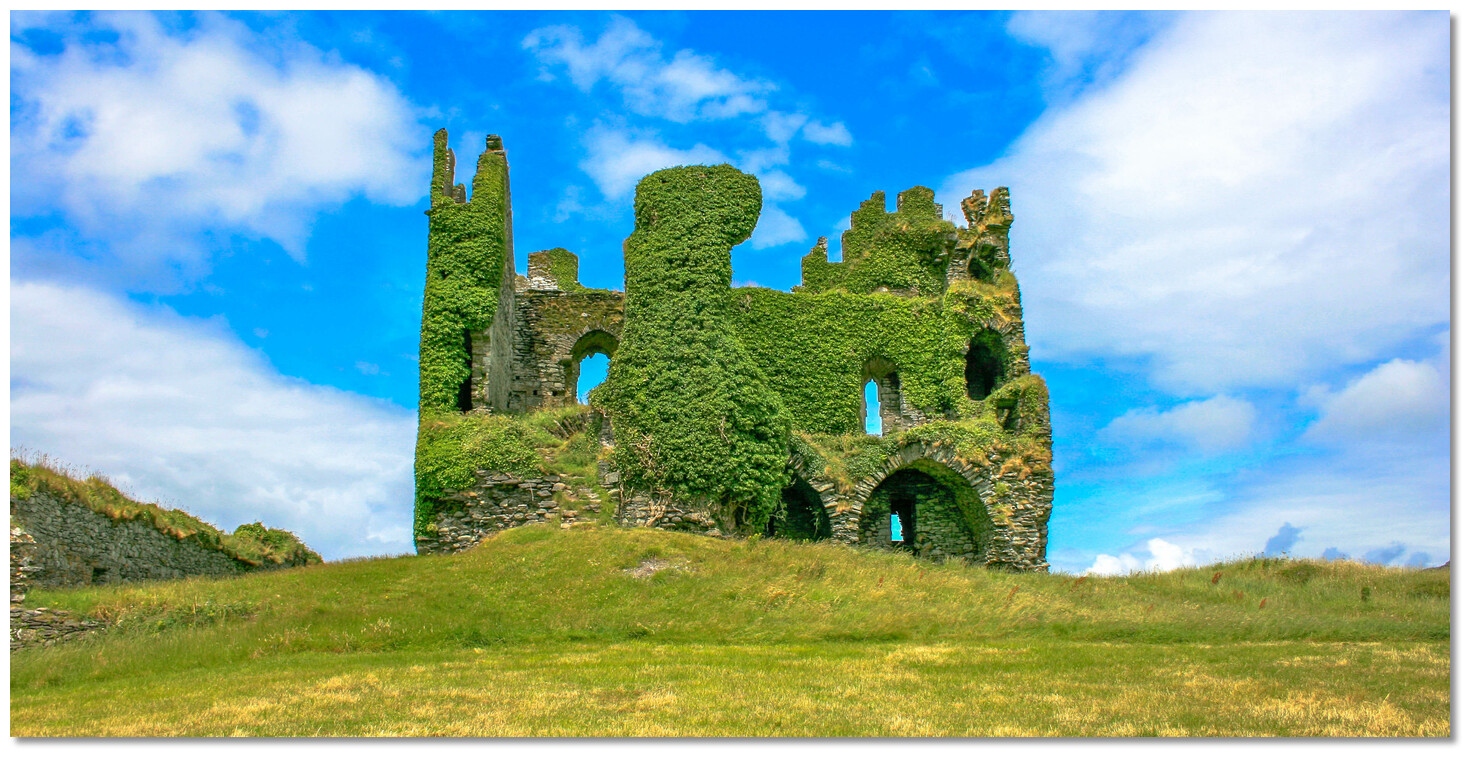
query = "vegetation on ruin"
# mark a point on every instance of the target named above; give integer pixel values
(253, 544)
(562, 264)
(696, 417)
(453, 446)
(546, 631)
(462, 286)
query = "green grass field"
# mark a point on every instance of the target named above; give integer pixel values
(542, 631)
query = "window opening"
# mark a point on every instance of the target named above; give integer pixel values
(985, 365)
(592, 370)
(464, 399)
(873, 425)
(978, 271)
(902, 515)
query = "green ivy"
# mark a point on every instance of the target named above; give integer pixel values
(695, 417)
(452, 446)
(467, 251)
(904, 251)
(562, 264)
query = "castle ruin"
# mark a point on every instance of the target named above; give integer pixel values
(732, 411)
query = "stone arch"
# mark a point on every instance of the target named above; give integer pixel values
(801, 515)
(593, 341)
(841, 521)
(950, 517)
(987, 364)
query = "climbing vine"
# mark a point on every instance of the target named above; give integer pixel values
(462, 287)
(696, 419)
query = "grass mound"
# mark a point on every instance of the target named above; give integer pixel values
(608, 623)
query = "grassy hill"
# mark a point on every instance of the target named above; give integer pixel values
(604, 631)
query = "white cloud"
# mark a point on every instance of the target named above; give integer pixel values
(1259, 200)
(180, 410)
(157, 135)
(776, 227)
(781, 127)
(832, 134)
(617, 161)
(1397, 400)
(1216, 424)
(1164, 556)
(778, 185)
(684, 88)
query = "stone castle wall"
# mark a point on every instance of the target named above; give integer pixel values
(500, 501)
(75, 545)
(547, 322)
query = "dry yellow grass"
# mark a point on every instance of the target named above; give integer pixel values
(892, 689)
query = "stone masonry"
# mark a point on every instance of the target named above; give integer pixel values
(75, 545)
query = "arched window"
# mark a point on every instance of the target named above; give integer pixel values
(592, 370)
(873, 425)
(882, 397)
(986, 365)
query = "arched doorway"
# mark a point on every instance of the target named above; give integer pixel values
(923, 508)
(593, 344)
(801, 515)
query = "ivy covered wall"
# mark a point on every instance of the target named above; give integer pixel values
(694, 416)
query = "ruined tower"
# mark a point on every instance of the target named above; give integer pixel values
(733, 411)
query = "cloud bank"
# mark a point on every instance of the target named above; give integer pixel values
(1259, 199)
(179, 410)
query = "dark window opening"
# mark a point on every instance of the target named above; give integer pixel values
(978, 271)
(986, 365)
(464, 400)
(801, 515)
(99, 575)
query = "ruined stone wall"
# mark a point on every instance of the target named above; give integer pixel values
(500, 501)
(75, 545)
(911, 290)
(552, 327)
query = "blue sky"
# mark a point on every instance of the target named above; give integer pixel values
(1232, 238)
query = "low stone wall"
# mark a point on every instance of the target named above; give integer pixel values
(45, 627)
(75, 545)
(1017, 502)
(500, 501)
(36, 627)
